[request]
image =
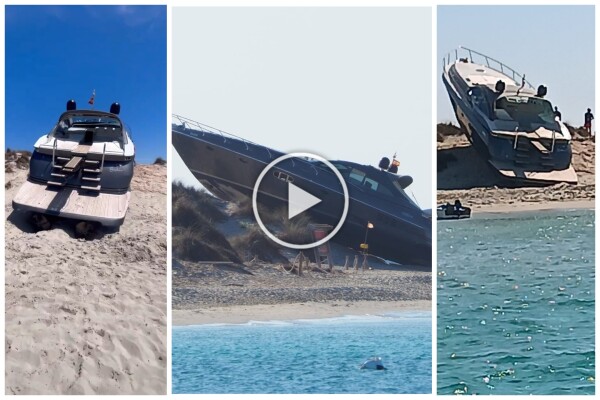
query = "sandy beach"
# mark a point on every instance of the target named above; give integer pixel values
(223, 293)
(88, 316)
(287, 312)
(463, 174)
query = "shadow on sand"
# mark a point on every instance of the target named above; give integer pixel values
(462, 168)
(24, 222)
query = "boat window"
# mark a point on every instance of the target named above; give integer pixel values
(357, 175)
(371, 184)
(479, 100)
(525, 110)
(283, 176)
(87, 120)
(340, 167)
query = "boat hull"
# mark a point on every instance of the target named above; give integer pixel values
(230, 169)
(116, 175)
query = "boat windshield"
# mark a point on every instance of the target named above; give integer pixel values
(93, 120)
(524, 110)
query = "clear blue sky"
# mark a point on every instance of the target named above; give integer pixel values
(552, 45)
(55, 53)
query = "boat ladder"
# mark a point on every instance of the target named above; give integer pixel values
(59, 172)
(64, 167)
(523, 154)
(91, 173)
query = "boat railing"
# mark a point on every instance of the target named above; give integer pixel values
(186, 122)
(103, 154)
(490, 62)
(54, 153)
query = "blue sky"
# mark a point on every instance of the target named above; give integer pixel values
(55, 53)
(552, 45)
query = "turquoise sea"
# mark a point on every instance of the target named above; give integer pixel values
(516, 304)
(305, 356)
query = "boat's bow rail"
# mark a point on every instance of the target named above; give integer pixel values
(190, 123)
(203, 129)
(473, 56)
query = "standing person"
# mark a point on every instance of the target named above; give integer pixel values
(588, 117)
(557, 113)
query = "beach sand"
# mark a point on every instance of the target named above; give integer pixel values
(222, 293)
(463, 174)
(88, 317)
(293, 311)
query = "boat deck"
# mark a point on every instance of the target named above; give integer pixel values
(105, 208)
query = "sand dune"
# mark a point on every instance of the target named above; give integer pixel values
(463, 174)
(88, 317)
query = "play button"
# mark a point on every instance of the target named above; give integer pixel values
(299, 200)
(308, 177)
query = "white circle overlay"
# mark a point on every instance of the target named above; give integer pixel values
(275, 238)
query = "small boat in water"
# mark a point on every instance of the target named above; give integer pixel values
(374, 363)
(229, 166)
(453, 211)
(82, 169)
(509, 123)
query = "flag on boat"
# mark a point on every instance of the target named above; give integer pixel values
(91, 100)
(370, 225)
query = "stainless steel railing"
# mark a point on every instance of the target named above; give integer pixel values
(187, 122)
(480, 58)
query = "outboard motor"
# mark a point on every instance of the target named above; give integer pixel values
(115, 108)
(542, 91)
(71, 105)
(500, 86)
(384, 164)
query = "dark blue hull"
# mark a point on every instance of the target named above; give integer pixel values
(115, 175)
(229, 167)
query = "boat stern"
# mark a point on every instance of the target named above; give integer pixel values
(105, 208)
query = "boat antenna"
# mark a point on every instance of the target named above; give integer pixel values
(522, 84)
(413, 196)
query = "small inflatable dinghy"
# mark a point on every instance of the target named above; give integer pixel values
(373, 363)
(456, 211)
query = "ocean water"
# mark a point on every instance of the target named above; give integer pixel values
(305, 356)
(516, 304)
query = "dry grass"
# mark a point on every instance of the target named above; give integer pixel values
(192, 206)
(202, 244)
(19, 157)
(447, 129)
(195, 237)
(254, 244)
(296, 230)
(242, 209)
(577, 133)
(160, 161)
